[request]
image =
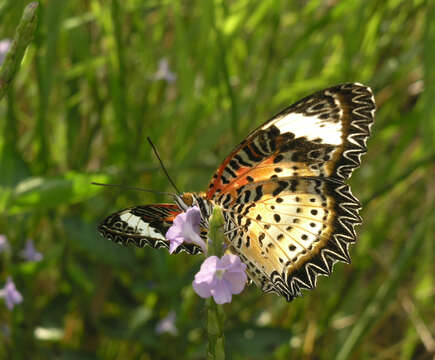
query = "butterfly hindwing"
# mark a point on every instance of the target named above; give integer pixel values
(144, 225)
(294, 224)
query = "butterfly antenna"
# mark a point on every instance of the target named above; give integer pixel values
(132, 188)
(163, 166)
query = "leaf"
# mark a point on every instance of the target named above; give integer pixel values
(35, 193)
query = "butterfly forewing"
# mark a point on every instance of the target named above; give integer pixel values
(144, 225)
(289, 215)
(322, 135)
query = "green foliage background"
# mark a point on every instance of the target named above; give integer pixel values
(80, 108)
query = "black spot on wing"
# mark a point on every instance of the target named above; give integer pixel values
(258, 193)
(281, 187)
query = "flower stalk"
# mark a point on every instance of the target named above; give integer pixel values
(215, 332)
(215, 314)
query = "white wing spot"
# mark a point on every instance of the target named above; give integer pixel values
(141, 226)
(310, 127)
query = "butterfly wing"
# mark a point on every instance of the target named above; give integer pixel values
(144, 225)
(290, 230)
(322, 135)
(289, 215)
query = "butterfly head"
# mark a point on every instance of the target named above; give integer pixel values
(187, 200)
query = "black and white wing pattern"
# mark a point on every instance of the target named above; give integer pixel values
(144, 226)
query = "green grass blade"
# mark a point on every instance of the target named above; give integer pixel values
(23, 37)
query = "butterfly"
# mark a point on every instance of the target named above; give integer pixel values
(289, 215)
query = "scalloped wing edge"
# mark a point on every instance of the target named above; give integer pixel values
(337, 250)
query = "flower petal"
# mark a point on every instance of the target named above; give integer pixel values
(29, 253)
(173, 232)
(185, 228)
(167, 324)
(180, 219)
(220, 278)
(236, 281)
(201, 288)
(174, 244)
(11, 295)
(231, 261)
(221, 292)
(164, 73)
(208, 269)
(193, 216)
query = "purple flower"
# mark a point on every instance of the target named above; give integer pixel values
(5, 44)
(186, 229)
(220, 278)
(167, 324)
(29, 252)
(11, 295)
(164, 73)
(4, 245)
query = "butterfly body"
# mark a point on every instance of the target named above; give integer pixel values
(288, 213)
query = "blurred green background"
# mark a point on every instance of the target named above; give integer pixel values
(197, 76)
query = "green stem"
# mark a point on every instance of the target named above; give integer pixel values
(23, 36)
(215, 332)
(215, 313)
